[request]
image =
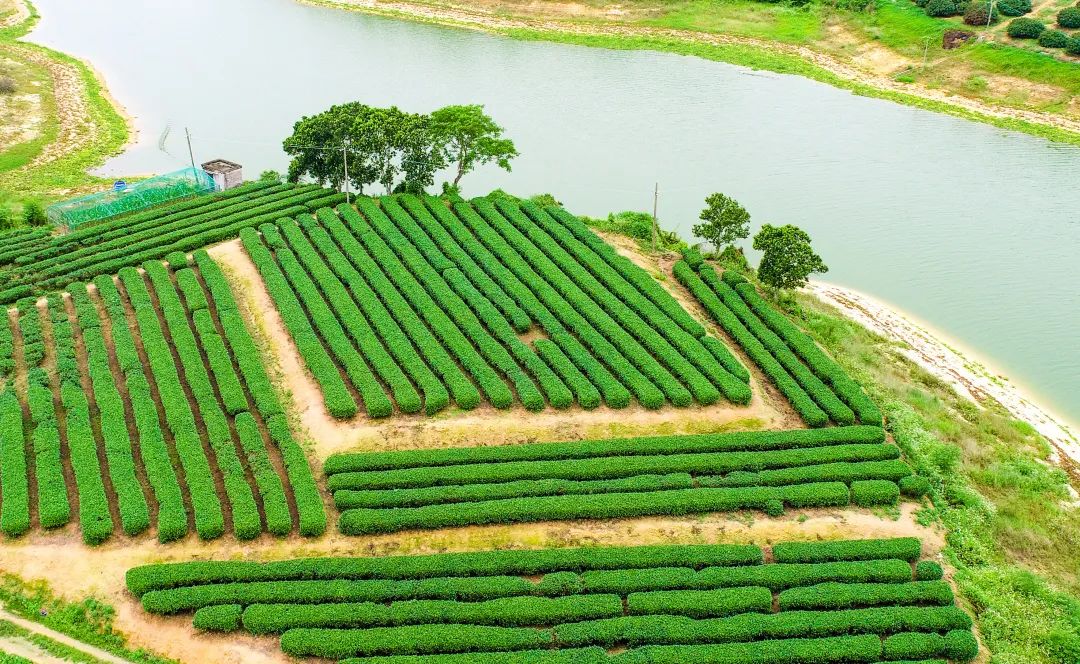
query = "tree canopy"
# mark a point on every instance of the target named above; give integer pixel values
(468, 137)
(788, 260)
(724, 221)
(387, 146)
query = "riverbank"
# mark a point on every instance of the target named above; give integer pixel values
(79, 125)
(873, 71)
(969, 376)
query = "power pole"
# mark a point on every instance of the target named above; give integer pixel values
(345, 157)
(926, 51)
(190, 152)
(990, 15)
(655, 202)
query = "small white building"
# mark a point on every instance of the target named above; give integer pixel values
(226, 174)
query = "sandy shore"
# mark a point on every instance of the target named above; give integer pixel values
(937, 354)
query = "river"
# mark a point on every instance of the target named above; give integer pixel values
(973, 229)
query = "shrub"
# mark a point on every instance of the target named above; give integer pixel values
(1074, 46)
(219, 618)
(914, 486)
(1069, 17)
(7, 218)
(927, 570)
(1025, 28)
(868, 493)
(941, 8)
(7, 85)
(1014, 7)
(832, 596)
(981, 12)
(960, 645)
(1053, 39)
(34, 214)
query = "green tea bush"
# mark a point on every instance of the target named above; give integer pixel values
(941, 8)
(1014, 8)
(700, 603)
(831, 596)
(15, 509)
(219, 618)
(927, 570)
(868, 493)
(1053, 39)
(914, 486)
(903, 548)
(1069, 17)
(275, 505)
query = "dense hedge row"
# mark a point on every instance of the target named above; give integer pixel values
(436, 396)
(267, 482)
(647, 298)
(172, 519)
(674, 604)
(810, 412)
(14, 478)
(412, 322)
(209, 521)
(308, 500)
(388, 244)
(115, 438)
(608, 447)
(820, 363)
(52, 500)
(589, 350)
(339, 402)
(351, 319)
(596, 506)
(245, 512)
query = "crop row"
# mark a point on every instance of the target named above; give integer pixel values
(587, 376)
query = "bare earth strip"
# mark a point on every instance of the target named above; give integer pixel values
(971, 379)
(467, 17)
(59, 637)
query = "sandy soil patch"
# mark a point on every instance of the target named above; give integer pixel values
(483, 426)
(21, 119)
(939, 356)
(14, 12)
(74, 574)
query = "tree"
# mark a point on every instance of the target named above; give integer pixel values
(787, 260)
(724, 221)
(7, 218)
(34, 214)
(269, 176)
(468, 137)
(382, 145)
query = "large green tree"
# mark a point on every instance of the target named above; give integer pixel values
(467, 137)
(384, 146)
(723, 221)
(787, 260)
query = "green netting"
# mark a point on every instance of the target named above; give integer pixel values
(143, 194)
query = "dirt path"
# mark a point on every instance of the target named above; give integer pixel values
(468, 17)
(20, 12)
(59, 637)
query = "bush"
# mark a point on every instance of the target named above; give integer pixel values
(7, 218)
(1069, 17)
(981, 13)
(868, 493)
(7, 85)
(927, 570)
(219, 618)
(914, 486)
(1014, 7)
(34, 214)
(1053, 39)
(1074, 46)
(1025, 28)
(961, 646)
(941, 8)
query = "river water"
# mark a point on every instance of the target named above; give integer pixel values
(973, 229)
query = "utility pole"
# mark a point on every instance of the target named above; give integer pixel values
(926, 50)
(190, 152)
(655, 202)
(345, 157)
(990, 15)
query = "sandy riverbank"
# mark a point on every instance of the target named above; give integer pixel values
(971, 376)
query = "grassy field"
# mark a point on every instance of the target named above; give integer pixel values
(75, 125)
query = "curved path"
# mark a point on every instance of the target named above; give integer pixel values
(60, 637)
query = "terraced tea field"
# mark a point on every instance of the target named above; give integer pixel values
(141, 403)
(854, 601)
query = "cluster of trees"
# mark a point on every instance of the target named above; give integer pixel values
(389, 147)
(33, 214)
(1029, 28)
(787, 259)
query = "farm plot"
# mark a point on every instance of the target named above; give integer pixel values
(142, 402)
(384, 492)
(817, 387)
(403, 304)
(840, 601)
(36, 262)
